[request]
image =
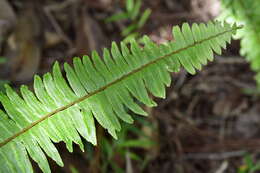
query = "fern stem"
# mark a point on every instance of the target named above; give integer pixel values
(108, 85)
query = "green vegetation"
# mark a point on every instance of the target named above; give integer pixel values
(133, 14)
(124, 145)
(249, 166)
(101, 89)
(2, 60)
(246, 12)
(3, 82)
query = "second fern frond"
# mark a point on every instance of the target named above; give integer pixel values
(246, 12)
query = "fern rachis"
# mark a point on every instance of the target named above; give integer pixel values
(100, 89)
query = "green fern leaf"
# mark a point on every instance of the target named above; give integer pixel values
(246, 12)
(97, 89)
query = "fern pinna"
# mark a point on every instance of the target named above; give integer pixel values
(100, 89)
(246, 12)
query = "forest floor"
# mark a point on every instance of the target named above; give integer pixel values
(208, 122)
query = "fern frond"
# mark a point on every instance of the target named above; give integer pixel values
(246, 12)
(97, 88)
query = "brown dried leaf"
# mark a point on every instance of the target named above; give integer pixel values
(23, 49)
(89, 35)
(7, 20)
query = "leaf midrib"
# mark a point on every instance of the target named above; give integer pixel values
(107, 86)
